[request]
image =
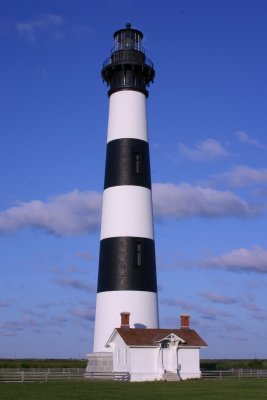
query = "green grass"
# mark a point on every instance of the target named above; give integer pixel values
(254, 389)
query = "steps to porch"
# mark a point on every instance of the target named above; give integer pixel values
(170, 376)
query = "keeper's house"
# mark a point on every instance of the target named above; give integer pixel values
(156, 354)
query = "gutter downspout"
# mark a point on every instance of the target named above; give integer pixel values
(161, 349)
(178, 365)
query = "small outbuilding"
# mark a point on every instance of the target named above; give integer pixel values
(156, 354)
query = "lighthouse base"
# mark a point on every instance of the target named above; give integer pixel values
(142, 305)
(99, 362)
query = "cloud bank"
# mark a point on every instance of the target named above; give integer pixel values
(83, 313)
(5, 303)
(240, 260)
(242, 175)
(204, 312)
(51, 25)
(208, 149)
(245, 138)
(218, 298)
(77, 212)
(185, 200)
(75, 284)
(67, 214)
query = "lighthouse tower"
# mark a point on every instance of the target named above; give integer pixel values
(127, 269)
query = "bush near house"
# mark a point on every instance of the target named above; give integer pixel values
(213, 365)
(210, 365)
(45, 363)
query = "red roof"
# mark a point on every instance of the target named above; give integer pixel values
(151, 337)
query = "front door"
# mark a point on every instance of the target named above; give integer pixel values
(167, 359)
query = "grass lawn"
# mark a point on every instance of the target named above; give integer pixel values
(250, 389)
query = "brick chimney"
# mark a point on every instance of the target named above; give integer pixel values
(185, 320)
(125, 319)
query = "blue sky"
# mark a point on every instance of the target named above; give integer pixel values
(207, 128)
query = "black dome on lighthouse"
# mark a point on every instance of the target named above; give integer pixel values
(128, 67)
(128, 37)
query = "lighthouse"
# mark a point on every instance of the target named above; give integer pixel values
(127, 268)
(127, 339)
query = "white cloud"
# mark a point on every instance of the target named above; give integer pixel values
(67, 214)
(52, 25)
(48, 22)
(205, 312)
(85, 255)
(75, 284)
(58, 320)
(250, 306)
(82, 30)
(46, 306)
(245, 138)
(8, 333)
(185, 200)
(83, 313)
(5, 303)
(218, 298)
(30, 312)
(243, 175)
(76, 212)
(30, 322)
(240, 260)
(10, 328)
(208, 149)
(260, 316)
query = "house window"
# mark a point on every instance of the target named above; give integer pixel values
(165, 345)
(118, 355)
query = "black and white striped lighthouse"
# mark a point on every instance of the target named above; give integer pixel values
(127, 268)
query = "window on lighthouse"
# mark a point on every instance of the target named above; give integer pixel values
(137, 163)
(139, 254)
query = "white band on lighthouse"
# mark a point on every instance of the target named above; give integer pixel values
(127, 115)
(122, 214)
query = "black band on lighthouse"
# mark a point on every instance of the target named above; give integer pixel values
(127, 263)
(127, 163)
